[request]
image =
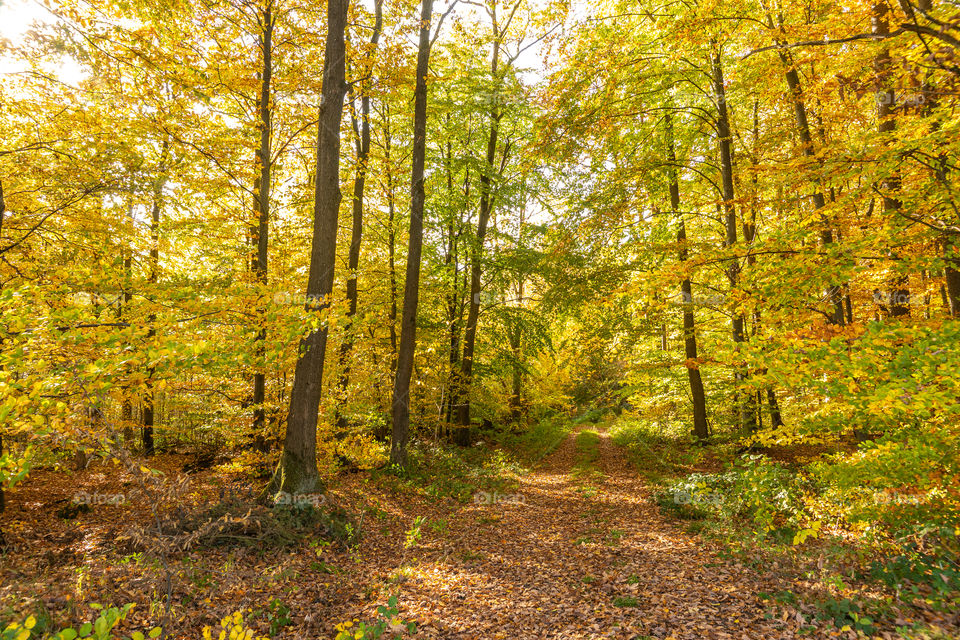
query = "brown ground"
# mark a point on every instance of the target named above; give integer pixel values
(549, 567)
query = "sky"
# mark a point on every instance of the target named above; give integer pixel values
(16, 18)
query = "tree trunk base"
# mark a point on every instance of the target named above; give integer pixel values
(292, 476)
(462, 436)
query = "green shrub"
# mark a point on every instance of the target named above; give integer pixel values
(99, 629)
(387, 620)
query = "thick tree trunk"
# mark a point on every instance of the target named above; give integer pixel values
(700, 427)
(776, 420)
(297, 471)
(411, 292)
(356, 233)
(515, 338)
(261, 199)
(126, 407)
(745, 401)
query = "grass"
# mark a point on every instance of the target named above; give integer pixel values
(534, 444)
(587, 446)
(657, 454)
(439, 471)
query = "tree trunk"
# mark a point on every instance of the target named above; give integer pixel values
(356, 234)
(461, 434)
(391, 245)
(411, 291)
(147, 415)
(515, 338)
(898, 303)
(3, 211)
(744, 400)
(297, 471)
(833, 292)
(148, 405)
(700, 427)
(454, 300)
(126, 407)
(952, 274)
(261, 199)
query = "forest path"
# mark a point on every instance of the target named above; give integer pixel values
(558, 565)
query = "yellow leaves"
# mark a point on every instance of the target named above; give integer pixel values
(813, 531)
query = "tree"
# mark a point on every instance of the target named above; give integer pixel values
(411, 288)
(297, 471)
(259, 232)
(362, 133)
(700, 428)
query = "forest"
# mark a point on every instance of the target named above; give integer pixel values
(476, 319)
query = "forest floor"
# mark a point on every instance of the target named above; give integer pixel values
(574, 548)
(586, 555)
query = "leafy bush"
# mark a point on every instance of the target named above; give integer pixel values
(654, 452)
(99, 629)
(763, 492)
(387, 620)
(446, 471)
(232, 628)
(898, 482)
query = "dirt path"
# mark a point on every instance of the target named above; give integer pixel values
(557, 565)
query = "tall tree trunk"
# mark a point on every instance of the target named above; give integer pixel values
(461, 435)
(898, 294)
(515, 338)
(297, 471)
(833, 292)
(261, 199)
(391, 245)
(126, 406)
(356, 233)
(454, 299)
(744, 400)
(3, 212)
(951, 273)
(411, 290)
(700, 427)
(148, 402)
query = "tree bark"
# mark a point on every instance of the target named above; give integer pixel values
(148, 406)
(356, 233)
(898, 303)
(700, 428)
(455, 304)
(952, 274)
(461, 434)
(261, 199)
(297, 471)
(744, 400)
(391, 245)
(411, 292)
(833, 293)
